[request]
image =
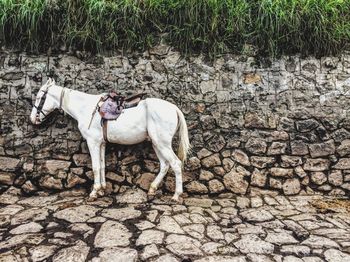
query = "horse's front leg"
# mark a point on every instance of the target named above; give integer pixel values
(95, 148)
(102, 169)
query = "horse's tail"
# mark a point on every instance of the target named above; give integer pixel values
(184, 144)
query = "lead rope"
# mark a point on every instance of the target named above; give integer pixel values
(94, 112)
(61, 98)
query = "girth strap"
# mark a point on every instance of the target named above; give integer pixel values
(104, 129)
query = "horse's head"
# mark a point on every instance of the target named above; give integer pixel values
(45, 103)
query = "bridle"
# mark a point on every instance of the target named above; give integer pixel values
(39, 108)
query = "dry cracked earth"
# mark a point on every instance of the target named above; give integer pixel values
(130, 227)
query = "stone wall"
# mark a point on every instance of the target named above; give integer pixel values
(256, 126)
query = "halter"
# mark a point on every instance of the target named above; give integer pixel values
(39, 108)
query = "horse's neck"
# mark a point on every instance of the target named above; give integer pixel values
(76, 103)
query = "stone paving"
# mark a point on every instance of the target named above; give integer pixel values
(131, 227)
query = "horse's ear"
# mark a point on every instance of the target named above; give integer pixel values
(49, 81)
(53, 81)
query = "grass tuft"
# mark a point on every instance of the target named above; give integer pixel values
(274, 27)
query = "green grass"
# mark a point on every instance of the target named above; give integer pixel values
(273, 27)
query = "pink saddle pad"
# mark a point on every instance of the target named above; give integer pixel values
(110, 110)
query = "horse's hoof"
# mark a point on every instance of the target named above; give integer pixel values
(91, 198)
(101, 193)
(152, 191)
(176, 199)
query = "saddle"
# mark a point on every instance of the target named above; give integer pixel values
(112, 105)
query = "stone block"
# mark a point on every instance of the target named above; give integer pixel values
(206, 175)
(241, 157)
(50, 182)
(317, 164)
(343, 163)
(291, 186)
(193, 163)
(299, 148)
(277, 148)
(54, 166)
(215, 186)
(318, 178)
(211, 161)
(344, 148)
(7, 178)
(144, 180)
(259, 178)
(9, 163)
(73, 180)
(306, 125)
(82, 160)
(335, 178)
(290, 161)
(262, 161)
(281, 172)
(235, 182)
(196, 187)
(322, 149)
(256, 146)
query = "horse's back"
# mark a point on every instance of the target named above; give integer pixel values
(160, 107)
(130, 127)
(150, 116)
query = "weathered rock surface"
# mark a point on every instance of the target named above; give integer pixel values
(150, 237)
(235, 182)
(263, 228)
(256, 146)
(317, 164)
(183, 245)
(76, 253)
(121, 214)
(322, 149)
(118, 255)
(256, 215)
(344, 148)
(41, 252)
(112, 234)
(7, 178)
(77, 214)
(9, 163)
(53, 166)
(253, 244)
(291, 186)
(31, 227)
(241, 157)
(335, 255)
(132, 197)
(211, 161)
(343, 163)
(51, 182)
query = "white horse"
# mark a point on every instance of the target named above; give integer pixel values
(154, 119)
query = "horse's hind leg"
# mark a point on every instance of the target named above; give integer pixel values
(175, 163)
(163, 169)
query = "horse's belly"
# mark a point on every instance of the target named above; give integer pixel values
(130, 128)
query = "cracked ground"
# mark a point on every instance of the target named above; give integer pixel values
(131, 227)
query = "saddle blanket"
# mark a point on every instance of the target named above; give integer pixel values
(112, 105)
